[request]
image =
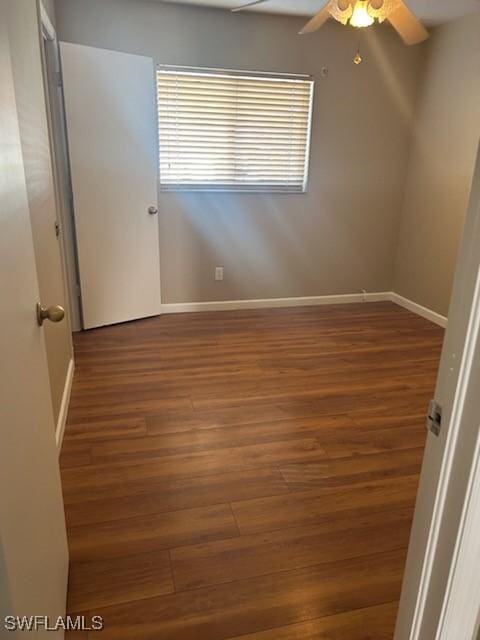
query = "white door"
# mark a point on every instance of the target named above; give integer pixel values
(112, 135)
(33, 547)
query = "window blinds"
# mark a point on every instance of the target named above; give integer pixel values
(230, 132)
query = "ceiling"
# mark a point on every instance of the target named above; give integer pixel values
(431, 11)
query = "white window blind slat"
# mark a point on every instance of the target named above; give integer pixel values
(229, 131)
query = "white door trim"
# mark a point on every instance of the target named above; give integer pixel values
(460, 611)
(445, 475)
(60, 164)
(433, 588)
(48, 29)
(63, 413)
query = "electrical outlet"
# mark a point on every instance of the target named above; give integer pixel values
(218, 273)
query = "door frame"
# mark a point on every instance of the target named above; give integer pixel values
(63, 188)
(441, 590)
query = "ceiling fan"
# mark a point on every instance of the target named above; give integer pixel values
(363, 13)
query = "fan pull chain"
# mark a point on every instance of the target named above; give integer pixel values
(358, 58)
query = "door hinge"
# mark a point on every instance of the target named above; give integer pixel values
(78, 290)
(58, 229)
(434, 419)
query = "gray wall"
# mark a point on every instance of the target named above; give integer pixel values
(342, 235)
(447, 131)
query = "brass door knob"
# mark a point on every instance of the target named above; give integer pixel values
(55, 313)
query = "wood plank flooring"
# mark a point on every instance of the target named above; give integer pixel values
(246, 475)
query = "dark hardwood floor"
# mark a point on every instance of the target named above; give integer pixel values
(246, 474)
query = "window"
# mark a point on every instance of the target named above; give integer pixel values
(229, 131)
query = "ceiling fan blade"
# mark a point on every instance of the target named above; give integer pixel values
(246, 5)
(410, 29)
(317, 21)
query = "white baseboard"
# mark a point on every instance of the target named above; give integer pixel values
(62, 416)
(347, 298)
(433, 316)
(230, 305)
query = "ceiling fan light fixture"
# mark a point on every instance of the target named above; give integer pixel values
(363, 13)
(361, 17)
